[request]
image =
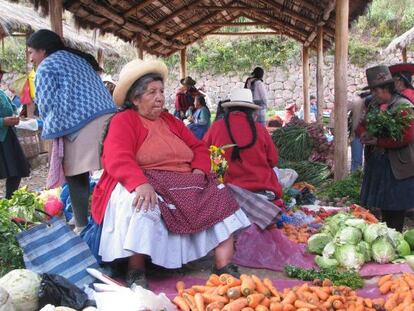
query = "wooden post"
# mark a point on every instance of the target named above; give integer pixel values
(341, 101)
(100, 58)
(305, 65)
(183, 63)
(140, 50)
(404, 54)
(56, 10)
(319, 77)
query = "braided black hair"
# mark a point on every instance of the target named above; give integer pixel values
(249, 114)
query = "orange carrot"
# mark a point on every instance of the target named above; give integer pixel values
(180, 286)
(236, 305)
(265, 302)
(289, 298)
(222, 290)
(190, 301)
(302, 304)
(260, 286)
(214, 280)
(181, 303)
(223, 278)
(268, 283)
(255, 299)
(247, 309)
(209, 298)
(288, 307)
(261, 308)
(215, 305)
(232, 281)
(248, 286)
(385, 287)
(320, 293)
(276, 306)
(201, 288)
(384, 279)
(199, 301)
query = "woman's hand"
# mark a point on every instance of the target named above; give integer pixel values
(367, 139)
(11, 121)
(197, 171)
(146, 197)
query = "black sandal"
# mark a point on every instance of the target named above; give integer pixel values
(137, 277)
(230, 268)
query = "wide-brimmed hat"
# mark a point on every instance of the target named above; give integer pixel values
(134, 70)
(188, 81)
(241, 98)
(404, 71)
(378, 76)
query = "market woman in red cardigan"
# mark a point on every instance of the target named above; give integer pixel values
(402, 74)
(388, 182)
(156, 196)
(250, 172)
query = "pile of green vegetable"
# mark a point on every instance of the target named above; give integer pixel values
(349, 242)
(347, 278)
(314, 173)
(22, 205)
(293, 143)
(349, 189)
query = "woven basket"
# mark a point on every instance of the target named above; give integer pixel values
(29, 140)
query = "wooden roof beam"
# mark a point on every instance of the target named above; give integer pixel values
(133, 27)
(134, 10)
(181, 10)
(252, 33)
(229, 24)
(231, 8)
(325, 17)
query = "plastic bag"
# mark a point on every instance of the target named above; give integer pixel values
(56, 290)
(286, 177)
(135, 299)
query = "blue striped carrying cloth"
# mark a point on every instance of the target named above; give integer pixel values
(52, 247)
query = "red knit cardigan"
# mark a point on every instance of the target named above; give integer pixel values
(125, 136)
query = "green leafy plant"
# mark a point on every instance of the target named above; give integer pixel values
(349, 187)
(389, 123)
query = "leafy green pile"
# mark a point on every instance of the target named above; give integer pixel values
(350, 187)
(347, 278)
(389, 123)
(11, 256)
(314, 173)
(22, 205)
(293, 143)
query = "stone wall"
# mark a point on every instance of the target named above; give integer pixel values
(283, 84)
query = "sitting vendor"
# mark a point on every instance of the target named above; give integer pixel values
(156, 196)
(251, 161)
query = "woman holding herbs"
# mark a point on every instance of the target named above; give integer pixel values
(387, 131)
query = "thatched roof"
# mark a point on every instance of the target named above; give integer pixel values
(169, 25)
(15, 18)
(403, 41)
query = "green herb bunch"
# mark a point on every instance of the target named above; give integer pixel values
(347, 278)
(390, 123)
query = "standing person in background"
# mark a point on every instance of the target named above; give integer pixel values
(13, 163)
(313, 106)
(388, 182)
(402, 75)
(184, 99)
(256, 85)
(200, 119)
(74, 106)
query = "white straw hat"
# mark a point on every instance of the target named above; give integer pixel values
(241, 98)
(134, 70)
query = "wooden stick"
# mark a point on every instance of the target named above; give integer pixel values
(183, 63)
(134, 10)
(319, 77)
(341, 82)
(56, 9)
(267, 33)
(404, 54)
(305, 68)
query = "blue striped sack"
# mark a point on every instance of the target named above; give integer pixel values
(52, 247)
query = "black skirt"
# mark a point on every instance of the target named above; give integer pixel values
(380, 189)
(13, 162)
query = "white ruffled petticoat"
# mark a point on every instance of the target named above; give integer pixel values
(127, 231)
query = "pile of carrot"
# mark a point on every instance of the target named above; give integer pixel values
(298, 234)
(250, 293)
(363, 213)
(400, 290)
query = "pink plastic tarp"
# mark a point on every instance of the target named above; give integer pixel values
(167, 285)
(271, 249)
